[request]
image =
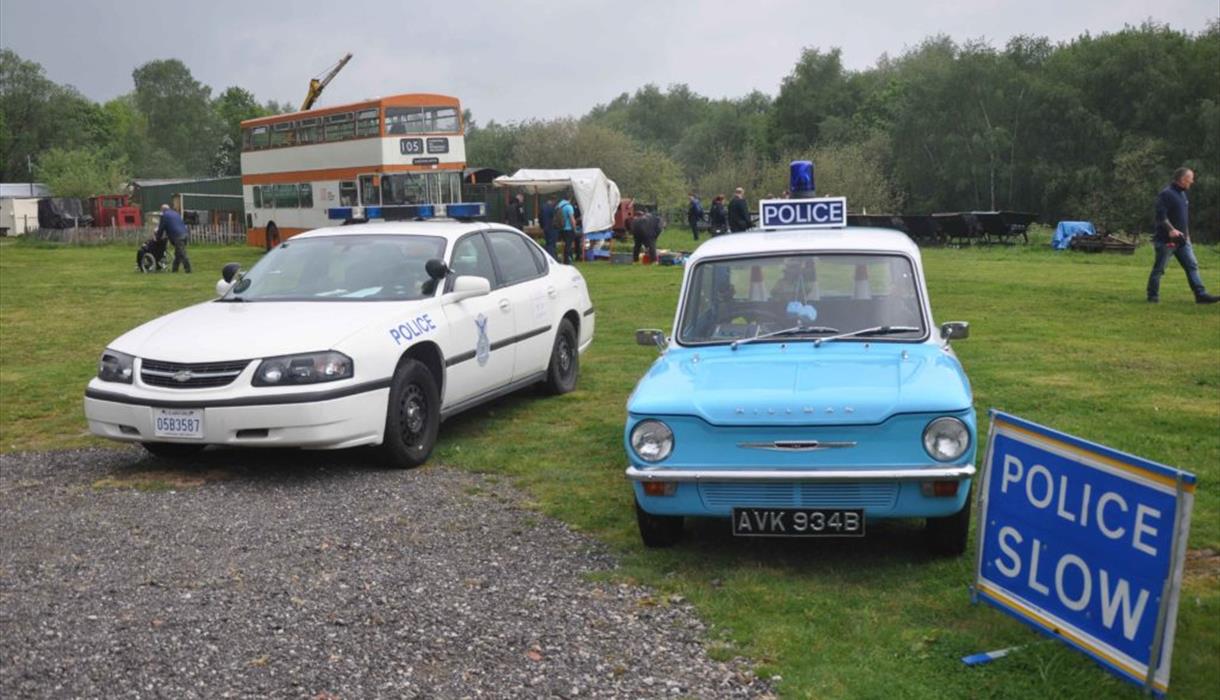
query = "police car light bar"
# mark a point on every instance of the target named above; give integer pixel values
(818, 212)
(409, 212)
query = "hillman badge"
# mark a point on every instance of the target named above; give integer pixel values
(482, 349)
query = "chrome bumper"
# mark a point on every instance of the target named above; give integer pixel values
(935, 473)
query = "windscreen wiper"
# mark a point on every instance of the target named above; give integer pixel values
(875, 330)
(795, 330)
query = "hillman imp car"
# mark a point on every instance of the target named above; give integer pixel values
(368, 334)
(806, 391)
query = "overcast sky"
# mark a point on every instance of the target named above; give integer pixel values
(516, 60)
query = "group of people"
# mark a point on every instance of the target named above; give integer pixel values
(732, 218)
(560, 221)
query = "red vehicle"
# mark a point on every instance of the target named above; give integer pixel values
(115, 210)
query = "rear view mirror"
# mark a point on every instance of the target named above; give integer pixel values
(229, 271)
(651, 336)
(955, 330)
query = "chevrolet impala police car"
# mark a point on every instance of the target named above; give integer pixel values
(806, 390)
(369, 334)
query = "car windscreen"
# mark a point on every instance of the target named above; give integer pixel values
(342, 268)
(801, 295)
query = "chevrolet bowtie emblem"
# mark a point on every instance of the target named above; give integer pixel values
(182, 376)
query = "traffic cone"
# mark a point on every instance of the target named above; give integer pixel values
(863, 290)
(757, 291)
(815, 290)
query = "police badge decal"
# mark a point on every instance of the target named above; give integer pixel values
(482, 348)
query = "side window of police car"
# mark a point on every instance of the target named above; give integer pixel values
(471, 257)
(513, 257)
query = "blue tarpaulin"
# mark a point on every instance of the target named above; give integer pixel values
(1066, 230)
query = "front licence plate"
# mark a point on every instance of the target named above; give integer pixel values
(797, 522)
(178, 422)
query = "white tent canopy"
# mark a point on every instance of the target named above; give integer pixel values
(596, 194)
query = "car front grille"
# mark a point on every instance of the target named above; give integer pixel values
(178, 375)
(873, 496)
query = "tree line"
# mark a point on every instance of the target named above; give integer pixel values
(1084, 129)
(169, 125)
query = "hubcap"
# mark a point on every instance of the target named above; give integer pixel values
(565, 356)
(414, 414)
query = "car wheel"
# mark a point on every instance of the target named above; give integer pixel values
(413, 416)
(564, 368)
(658, 530)
(172, 450)
(273, 236)
(947, 536)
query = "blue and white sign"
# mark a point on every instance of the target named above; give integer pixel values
(821, 212)
(1084, 543)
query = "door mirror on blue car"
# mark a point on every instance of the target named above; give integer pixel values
(955, 330)
(651, 336)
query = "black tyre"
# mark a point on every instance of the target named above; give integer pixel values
(658, 531)
(564, 369)
(172, 450)
(947, 536)
(413, 416)
(273, 236)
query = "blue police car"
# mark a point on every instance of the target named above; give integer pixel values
(805, 392)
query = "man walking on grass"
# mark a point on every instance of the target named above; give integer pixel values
(172, 225)
(1173, 238)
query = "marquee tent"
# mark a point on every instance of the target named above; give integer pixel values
(596, 195)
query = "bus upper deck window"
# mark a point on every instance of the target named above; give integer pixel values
(259, 137)
(368, 123)
(309, 130)
(340, 126)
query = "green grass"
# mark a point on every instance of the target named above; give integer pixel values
(1064, 339)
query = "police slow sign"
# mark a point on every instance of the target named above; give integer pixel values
(822, 212)
(1084, 543)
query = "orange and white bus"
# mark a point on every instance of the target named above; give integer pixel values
(384, 158)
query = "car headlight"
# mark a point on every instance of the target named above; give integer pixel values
(946, 439)
(116, 366)
(652, 440)
(307, 368)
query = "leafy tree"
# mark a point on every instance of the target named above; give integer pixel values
(233, 106)
(179, 113)
(36, 114)
(81, 172)
(816, 90)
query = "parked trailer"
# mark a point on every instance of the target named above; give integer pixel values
(18, 215)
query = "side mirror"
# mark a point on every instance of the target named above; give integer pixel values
(229, 271)
(955, 330)
(468, 286)
(436, 269)
(651, 336)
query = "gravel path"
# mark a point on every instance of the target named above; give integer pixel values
(309, 575)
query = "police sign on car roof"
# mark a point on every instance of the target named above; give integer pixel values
(820, 212)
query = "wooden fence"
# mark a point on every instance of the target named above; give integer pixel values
(96, 235)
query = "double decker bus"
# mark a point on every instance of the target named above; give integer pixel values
(383, 158)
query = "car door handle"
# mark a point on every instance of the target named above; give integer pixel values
(550, 292)
(505, 305)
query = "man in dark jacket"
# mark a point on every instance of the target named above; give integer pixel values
(1173, 238)
(694, 214)
(550, 234)
(644, 229)
(515, 215)
(739, 212)
(173, 226)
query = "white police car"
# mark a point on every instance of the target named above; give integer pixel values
(369, 334)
